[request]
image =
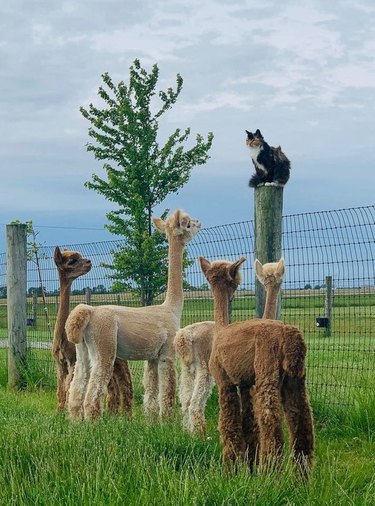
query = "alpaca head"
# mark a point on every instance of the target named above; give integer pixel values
(70, 264)
(223, 277)
(179, 225)
(271, 274)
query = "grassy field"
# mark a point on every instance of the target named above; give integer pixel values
(46, 460)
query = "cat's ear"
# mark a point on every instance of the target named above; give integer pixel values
(258, 134)
(249, 135)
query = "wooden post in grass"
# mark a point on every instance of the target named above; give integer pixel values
(268, 211)
(88, 293)
(328, 305)
(17, 303)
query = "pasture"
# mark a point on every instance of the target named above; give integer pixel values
(47, 460)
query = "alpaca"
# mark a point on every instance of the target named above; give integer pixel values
(70, 265)
(145, 333)
(269, 355)
(193, 345)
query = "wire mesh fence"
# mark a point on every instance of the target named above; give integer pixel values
(318, 247)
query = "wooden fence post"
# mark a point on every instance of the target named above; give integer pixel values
(17, 303)
(268, 211)
(88, 292)
(328, 305)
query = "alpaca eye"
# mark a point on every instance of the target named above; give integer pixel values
(73, 261)
(188, 225)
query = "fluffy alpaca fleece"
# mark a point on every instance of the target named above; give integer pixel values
(193, 345)
(70, 265)
(266, 354)
(103, 332)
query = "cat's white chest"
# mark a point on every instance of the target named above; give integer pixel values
(254, 152)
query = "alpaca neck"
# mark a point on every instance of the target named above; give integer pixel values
(221, 311)
(175, 295)
(63, 311)
(270, 306)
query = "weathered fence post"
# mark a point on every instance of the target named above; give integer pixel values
(17, 301)
(328, 305)
(268, 211)
(88, 292)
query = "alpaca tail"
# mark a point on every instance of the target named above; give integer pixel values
(77, 322)
(183, 347)
(294, 352)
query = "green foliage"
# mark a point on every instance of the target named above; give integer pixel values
(47, 460)
(139, 172)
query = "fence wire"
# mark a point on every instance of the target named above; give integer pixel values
(337, 244)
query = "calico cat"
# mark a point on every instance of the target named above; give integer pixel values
(272, 167)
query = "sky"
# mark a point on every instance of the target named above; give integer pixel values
(303, 72)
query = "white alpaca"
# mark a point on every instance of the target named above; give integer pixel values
(102, 333)
(193, 345)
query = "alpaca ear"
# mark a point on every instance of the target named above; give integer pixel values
(205, 264)
(57, 256)
(280, 269)
(235, 266)
(159, 224)
(258, 269)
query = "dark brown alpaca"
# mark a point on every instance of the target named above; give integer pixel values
(266, 354)
(70, 265)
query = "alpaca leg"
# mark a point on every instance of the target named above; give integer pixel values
(113, 397)
(121, 373)
(151, 390)
(269, 417)
(185, 392)
(61, 369)
(230, 424)
(78, 386)
(101, 372)
(300, 421)
(68, 381)
(249, 424)
(167, 385)
(202, 389)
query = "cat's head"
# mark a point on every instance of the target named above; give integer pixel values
(254, 140)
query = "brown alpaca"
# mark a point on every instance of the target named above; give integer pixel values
(145, 333)
(266, 354)
(193, 345)
(70, 265)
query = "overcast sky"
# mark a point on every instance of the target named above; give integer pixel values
(301, 71)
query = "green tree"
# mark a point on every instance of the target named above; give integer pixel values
(139, 172)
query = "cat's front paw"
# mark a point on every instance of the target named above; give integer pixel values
(274, 183)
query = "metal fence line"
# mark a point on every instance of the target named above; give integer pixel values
(338, 243)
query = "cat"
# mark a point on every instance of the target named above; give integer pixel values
(272, 167)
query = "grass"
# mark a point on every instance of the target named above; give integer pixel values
(46, 460)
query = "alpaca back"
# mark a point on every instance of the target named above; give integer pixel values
(294, 352)
(77, 322)
(193, 343)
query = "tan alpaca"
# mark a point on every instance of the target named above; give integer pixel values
(266, 354)
(70, 265)
(101, 333)
(193, 345)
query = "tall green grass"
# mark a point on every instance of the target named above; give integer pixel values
(46, 460)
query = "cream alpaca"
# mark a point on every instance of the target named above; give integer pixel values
(101, 333)
(266, 354)
(193, 345)
(70, 265)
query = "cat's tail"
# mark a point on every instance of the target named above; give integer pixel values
(255, 180)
